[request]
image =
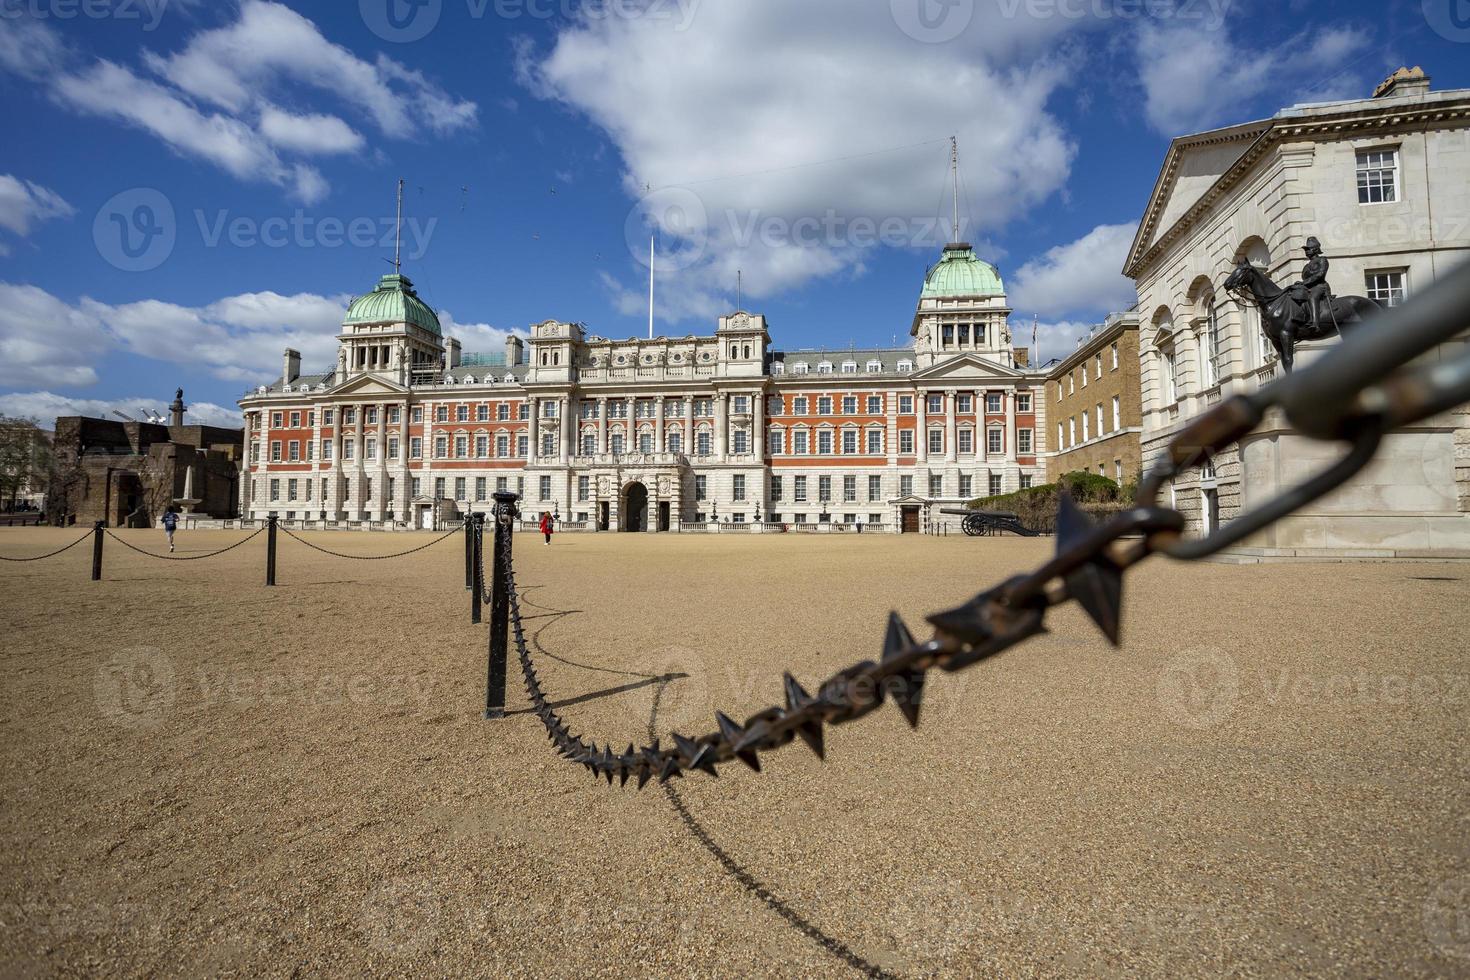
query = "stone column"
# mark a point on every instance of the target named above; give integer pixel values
(533, 429)
(602, 425)
(722, 425)
(565, 408)
(951, 448)
(890, 441)
(1010, 404)
(630, 425)
(758, 427)
(380, 479)
(658, 424)
(687, 439)
(921, 433)
(358, 470)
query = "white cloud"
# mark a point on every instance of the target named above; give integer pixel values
(1054, 340)
(44, 340)
(308, 134)
(1079, 277)
(478, 338)
(218, 99)
(271, 44)
(24, 202)
(47, 406)
(690, 108)
(1195, 78)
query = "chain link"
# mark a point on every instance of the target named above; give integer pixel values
(52, 554)
(1378, 395)
(212, 554)
(401, 554)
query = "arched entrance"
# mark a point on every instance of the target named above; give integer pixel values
(633, 514)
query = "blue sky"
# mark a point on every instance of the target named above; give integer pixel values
(248, 152)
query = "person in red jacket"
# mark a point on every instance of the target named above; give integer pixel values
(546, 526)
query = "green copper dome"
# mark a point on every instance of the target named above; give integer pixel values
(394, 301)
(959, 272)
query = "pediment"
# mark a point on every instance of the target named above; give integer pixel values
(369, 384)
(967, 367)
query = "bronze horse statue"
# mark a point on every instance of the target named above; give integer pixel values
(1286, 319)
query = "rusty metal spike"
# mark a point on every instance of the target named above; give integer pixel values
(907, 691)
(754, 735)
(1098, 589)
(1072, 524)
(967, 623)
(623, 773)
(796, 696)
(897, 639)
(670, 769)
(687, 747)
(733, 735)
(704, 761)
(644, 775)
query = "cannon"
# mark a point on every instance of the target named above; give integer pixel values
(980, 523)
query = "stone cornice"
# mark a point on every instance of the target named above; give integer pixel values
(1326, 125)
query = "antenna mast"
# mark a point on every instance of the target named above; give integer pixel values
(398, 232)
(954, 165)
(739, 290)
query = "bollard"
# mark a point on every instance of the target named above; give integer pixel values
(270, 550)
(97, 550)
(469, 556)
(476, 532)
(504, 515)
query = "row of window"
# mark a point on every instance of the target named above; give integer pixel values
(800, 442)
(873, 404)
(1086, 419)
(1097, 372)
(393, 415)
(873, 366)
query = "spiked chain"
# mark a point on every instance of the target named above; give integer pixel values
(1357, 393)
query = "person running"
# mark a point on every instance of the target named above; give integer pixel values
(170, 524)
(546, 526)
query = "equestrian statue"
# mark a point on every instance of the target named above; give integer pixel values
(1304, 311)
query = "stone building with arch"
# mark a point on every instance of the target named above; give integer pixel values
(1384, 184)
(653, 434)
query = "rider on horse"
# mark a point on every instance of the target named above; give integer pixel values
(1313, 291)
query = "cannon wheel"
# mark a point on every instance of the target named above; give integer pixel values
(974, 526)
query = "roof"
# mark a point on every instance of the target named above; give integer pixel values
(887, 357)
(960, 272)
(392, 301)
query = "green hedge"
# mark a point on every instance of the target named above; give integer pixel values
(1037, 507)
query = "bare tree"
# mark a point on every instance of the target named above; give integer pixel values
(25, 459)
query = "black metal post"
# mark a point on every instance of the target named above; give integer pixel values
(270, 550)
(97, 550)
(504, 515)
(469, 555)
(476, 531)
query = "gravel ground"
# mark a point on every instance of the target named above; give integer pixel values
(203, 776)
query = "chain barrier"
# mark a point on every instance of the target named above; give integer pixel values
(52, 554)
(401, 554)
(1357, 393)
(212, 554)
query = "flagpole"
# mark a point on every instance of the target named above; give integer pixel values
(650, 286)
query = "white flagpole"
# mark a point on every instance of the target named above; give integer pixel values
(650, 286)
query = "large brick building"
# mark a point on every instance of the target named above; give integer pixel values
(653, 434)
(1092, 402)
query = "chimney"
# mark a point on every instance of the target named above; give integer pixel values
(291, 369)
(451, 353)
(1405, 81)
(515, 350)
(1022, 357)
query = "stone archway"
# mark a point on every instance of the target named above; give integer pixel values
(633, 509)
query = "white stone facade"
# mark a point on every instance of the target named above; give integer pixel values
(1384, 184)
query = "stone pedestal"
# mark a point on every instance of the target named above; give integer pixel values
(1406, 503)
